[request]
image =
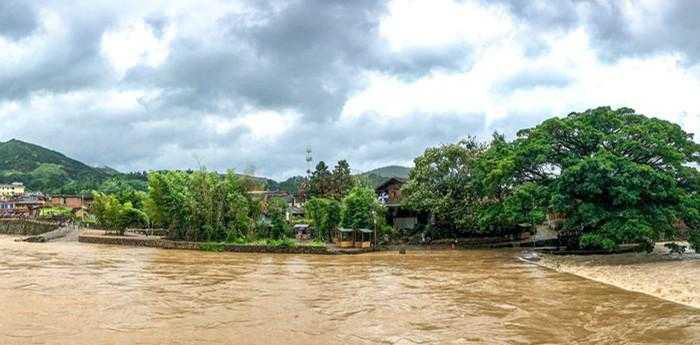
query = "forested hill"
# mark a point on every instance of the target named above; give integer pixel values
(390, 171)
(43, 169)
(379, 175)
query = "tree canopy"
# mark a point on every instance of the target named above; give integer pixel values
(442, 183)
(615, 176)
(335, 184)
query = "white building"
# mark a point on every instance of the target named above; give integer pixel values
(11, 190)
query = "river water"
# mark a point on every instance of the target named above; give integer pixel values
(72, 293)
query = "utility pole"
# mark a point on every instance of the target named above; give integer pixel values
(309, 159)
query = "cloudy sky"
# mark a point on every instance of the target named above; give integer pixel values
(141, 85)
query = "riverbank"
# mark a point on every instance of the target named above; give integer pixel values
(658, 274)
(137, 240)
(26, 227)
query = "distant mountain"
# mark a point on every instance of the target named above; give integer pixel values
(108, 170)
(290, 185)
(43, 169)
(378, 176)
(390, 171)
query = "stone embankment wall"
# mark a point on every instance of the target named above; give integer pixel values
(26, 227)
(169, 244)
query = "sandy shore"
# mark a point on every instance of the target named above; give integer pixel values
(658, 274)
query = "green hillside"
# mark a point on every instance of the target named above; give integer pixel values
(41, 169)
(45, 170)
(377, 176)
(390, 171)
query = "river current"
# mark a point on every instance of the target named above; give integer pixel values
(73, 293)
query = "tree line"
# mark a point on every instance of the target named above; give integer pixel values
(206, 206)
(602, 177)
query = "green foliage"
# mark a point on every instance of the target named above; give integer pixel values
(212, 247)
(617, 176)
(276, 211)
(112, 214)
(694, 240)
(291, 185)
(331, 184)
(202, 205)
(320, 183)
(360, 208)
(325, 216)
(281, 242)
(441, 183)
(61, 213)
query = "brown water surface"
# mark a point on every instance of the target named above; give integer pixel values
(71, 293)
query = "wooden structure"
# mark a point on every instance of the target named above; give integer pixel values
(400, 218)
(302, 231)
(353, 238)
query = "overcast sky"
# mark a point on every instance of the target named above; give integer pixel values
(140, 85)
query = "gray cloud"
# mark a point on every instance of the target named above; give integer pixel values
(305, 57)
(675, 31)
(66, 63)
(17, 19)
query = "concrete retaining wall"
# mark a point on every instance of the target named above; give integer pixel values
(169, 244)
(25, 227)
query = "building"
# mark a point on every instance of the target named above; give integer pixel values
(400, 218)
(11, 190)
(353, 238)
(71, 201)
(24, 206)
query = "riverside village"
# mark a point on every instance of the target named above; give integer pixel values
(395, 172)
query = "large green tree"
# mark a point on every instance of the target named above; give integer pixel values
(341, 180)
(616, 176)
(321, 181)
(114, 215)
(442, 183)
(360, 208)
(325, 216)
(201, 205)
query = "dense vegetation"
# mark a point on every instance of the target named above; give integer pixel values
(206, 206)
(614, 176)
(44, 170)
(602, 177)
(337, 198)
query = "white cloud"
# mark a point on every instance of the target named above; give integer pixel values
(435, 23)
(657, 86)
(135, 43)
(232, 84)
(265, 126)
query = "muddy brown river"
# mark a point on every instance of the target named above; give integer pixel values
(72, 293)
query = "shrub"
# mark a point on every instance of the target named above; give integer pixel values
(212, 247)
(694, 240)
(595, 241)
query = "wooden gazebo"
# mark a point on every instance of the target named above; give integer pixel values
(353, 238)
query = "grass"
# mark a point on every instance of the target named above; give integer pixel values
(283, 243)
(212, 247)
